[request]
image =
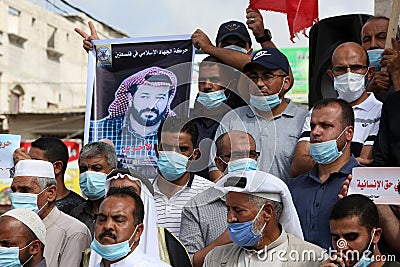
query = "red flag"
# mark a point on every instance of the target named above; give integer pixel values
(301, 14)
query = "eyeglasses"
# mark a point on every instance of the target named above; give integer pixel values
(241, 155)
(266, 77)
(356, 68)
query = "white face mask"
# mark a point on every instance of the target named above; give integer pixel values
(350, 86)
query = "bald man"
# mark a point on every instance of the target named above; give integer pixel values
(350, 73)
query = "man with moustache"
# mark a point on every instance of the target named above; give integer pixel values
(119, 227)
(141, 103)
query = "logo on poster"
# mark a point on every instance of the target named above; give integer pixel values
(104, 54)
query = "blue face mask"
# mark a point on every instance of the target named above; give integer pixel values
(375, 57)
(211, 100)
(236, 48)
(265, 103)
(26, 201)
(93, 184)
(115, 251)
(244, 164)
(9, 256)
(172, 165)
(326, 152)
(242, 232)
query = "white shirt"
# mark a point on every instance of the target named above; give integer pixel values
(169, 208)
(136, 259)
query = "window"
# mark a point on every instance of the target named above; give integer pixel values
(16, 99)
(51, 32)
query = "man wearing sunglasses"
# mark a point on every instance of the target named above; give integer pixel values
(350, 73)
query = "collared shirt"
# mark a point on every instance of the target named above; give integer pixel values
(127, 142)
(84, 213)
(169, 209)
(66, 238)
(367, 116)
(68, 203)
(203, 220)
(42, 263)
(315, 199)
(268, 256)
(135, 259)
(276, 139)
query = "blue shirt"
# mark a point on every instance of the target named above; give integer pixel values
(315, 199)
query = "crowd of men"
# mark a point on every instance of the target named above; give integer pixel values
(274, 192)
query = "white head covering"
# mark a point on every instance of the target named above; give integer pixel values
(31, 220)
(33, 167)
(149, 238)
(264, 185)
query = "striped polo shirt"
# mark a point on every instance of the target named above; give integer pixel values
(366, 126)
(169, 210)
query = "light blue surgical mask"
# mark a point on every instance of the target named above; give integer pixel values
(326, 152)
(242, 233)
(236, 48)
(26, 201)
(115, 251)
(244, 164)
(9, 256)
(211, 100)
(172, 165)
(93, 184)
(265, 103)
(375, 57)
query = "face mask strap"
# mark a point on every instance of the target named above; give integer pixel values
(134, 232)
(30, 256)
(283, 82)
(340, 136)
(255, 218)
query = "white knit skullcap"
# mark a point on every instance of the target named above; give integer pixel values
(33, 167)
(31, 220)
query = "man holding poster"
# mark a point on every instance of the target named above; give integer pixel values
(142, 102)
(133, 87)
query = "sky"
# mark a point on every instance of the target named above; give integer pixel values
(169, 17)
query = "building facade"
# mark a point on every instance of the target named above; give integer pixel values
(43, 70)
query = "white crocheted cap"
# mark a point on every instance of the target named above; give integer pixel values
(31, 220)
(32, 167)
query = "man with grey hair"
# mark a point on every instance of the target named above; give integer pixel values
(34, 187)
(96, 160)
(22, 239)
(262, 223)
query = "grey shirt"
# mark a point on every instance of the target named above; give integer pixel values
(275, 139)
(203, 220)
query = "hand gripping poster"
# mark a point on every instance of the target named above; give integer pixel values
(133, 85)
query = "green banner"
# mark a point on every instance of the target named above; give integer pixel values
(298, 59)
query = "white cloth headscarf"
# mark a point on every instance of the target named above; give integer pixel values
(268, 186)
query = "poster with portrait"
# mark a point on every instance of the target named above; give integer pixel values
(133, 85)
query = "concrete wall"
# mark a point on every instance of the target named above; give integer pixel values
(49, 73)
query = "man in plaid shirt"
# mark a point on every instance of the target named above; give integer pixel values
(141, 103)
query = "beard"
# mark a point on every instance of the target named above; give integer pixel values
(146, 120)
